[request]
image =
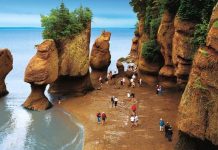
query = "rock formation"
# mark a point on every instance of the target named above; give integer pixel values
(41, 70)
(134, 47)
(120, 68)
(148, 71)
(165, 38)
(100, 57)
(6, 65)
(198, 109)
(74, 76)
(183, 52)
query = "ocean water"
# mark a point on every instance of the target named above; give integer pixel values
(54, 129)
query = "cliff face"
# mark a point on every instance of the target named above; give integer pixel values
(174, 37)
(41, 70)
(6, 65)
(198, 110)
(183, 50)
(147, 70)
(73, 55)
(100, 58)
(165, 38)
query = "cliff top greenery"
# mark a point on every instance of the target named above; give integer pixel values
(61, 23)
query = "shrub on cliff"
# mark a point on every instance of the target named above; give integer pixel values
(200, 35)
(62, 23)
(151, 51)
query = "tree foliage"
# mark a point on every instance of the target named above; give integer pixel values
(151, 51)
(62, 23)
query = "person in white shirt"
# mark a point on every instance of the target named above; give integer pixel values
(115, 101)
(132, 119)
(133, 76)
(136, 119)
(124, 80)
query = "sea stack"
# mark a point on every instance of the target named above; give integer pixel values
(74, 76)
(41, 70)
(6, 65)
(100, 57)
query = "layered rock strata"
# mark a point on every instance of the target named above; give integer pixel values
(6, 65)
(41, 70)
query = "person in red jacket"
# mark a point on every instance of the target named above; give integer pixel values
(133, 108)
(103, 117)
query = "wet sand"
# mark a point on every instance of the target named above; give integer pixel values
(117, 132)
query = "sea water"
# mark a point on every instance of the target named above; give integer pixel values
(54, 129)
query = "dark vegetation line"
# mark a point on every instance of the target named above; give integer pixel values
(196, 11)
(61, 23)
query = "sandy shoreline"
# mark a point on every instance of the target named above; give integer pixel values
(117, 133)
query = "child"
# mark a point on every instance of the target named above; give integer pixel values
(112, 100)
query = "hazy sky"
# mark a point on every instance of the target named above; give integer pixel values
(26, 13)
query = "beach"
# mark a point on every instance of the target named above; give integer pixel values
(117, 132)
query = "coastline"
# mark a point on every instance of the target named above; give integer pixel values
(117, 133)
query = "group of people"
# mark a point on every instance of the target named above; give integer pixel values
(132, 68)
(101, 118)
(167, 128)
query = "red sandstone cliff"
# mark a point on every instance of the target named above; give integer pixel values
(6, 65)
(198, 110)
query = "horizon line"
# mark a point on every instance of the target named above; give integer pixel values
(91, 27)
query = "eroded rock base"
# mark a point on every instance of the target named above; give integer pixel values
(37, 99)
(187, 142)
(67, 85)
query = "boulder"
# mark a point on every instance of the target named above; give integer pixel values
(198, 109)
(41, 70)
(6, 65)
(74, 76)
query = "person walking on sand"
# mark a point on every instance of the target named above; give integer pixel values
(161, 125)
(133, 77)
(170, 133)
(112, 101)
(100, 80)
(103, 117)
(124, 81)
(160, 90)
(98, 117)
(133, 108)
(166, 129)
(132, 119)
(157, 89)
(140, 82)
(115, 101)
(136, 119)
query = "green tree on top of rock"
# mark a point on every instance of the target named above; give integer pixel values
(61, 23)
